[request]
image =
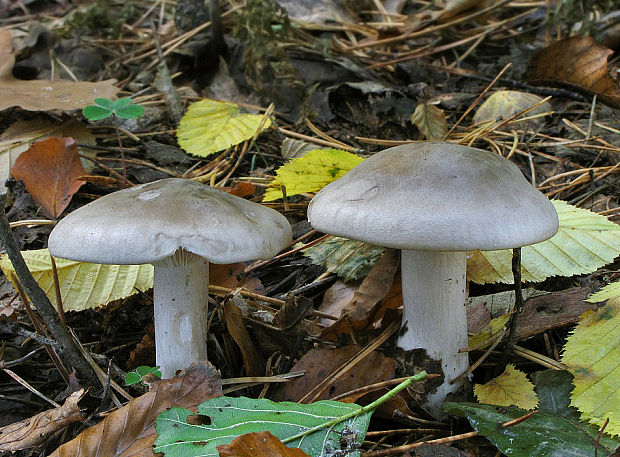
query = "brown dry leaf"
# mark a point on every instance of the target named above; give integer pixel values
(320, 362)
(130, 430)
(242, 189)
(360, 312)
(576, 61)
(144, 352)
(35, 430)
(430, 120)
(227, 275)
(40, 95)
(262, 444)
(336, 297)
(253, 361)
(50, 170)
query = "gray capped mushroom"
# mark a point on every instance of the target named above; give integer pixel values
(435, 201)
(179, 226)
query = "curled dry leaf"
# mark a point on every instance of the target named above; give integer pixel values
(50, 170)
(41, 95)
(35, 430)
(262, 444)
(253, 361)
(130, 430)
(576, 61)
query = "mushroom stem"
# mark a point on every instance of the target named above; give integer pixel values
(180, 299)
(434, 313)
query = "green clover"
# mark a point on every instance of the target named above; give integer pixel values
(139, 373)
(103, 107)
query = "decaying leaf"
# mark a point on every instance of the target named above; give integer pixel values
(262, 444)
(360, 312)
(486, 336)
(592, 354)
(349, 259)
(320, 362)
(50, 170)
(35, 430)
(21, 134)
(430, 120)
(585, 241)
(210, 126)
(510, 388)
(311, 172)
(504, 104)
(39, 95)
(253, 361)
(130, 430)
(577, 61)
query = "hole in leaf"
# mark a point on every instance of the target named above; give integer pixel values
(198, 419)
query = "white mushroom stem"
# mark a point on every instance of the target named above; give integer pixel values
(180, 298)
(434, 313)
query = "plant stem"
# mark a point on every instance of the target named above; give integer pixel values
(365, 409)
(120, 146)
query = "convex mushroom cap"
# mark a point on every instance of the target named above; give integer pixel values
(150, 222)
(435, 196)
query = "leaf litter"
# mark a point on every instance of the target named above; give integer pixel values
(405, 51)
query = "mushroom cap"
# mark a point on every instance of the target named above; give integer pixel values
(150, 222)
(435, 196)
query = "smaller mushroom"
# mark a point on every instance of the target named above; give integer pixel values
(179, 226)
(435, 201)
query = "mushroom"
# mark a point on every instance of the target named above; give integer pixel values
(179, 226)
(434, 201)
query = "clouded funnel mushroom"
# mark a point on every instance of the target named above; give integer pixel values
(435, 201)
(179, 226)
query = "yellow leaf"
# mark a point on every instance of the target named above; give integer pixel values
(83, 285)
(311, 172)
(592, 354)
(504, 104)
(430, 120)
(488, 334)
(510, 388)
(210, 126)
(585, 241)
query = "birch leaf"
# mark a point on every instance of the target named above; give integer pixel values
(83, 285)
(210, 126)
(311, 172)
(510, 388)
(592, 354)
(585, 241)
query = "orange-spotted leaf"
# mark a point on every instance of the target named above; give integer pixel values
(50, 170)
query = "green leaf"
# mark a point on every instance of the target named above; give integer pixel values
(592, 354)
(83, 285)
(105, 103)
(210, 126)
(132, 378)
(542, 434)
(311, 172)
(229, 417)
(121, 103)
(585, 241)
(95, 113)
(348, 259)
(130, 112)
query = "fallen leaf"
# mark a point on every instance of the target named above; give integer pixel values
(210, 126)
(40, 95)
(577, 61)
(504, 104)
(50, 170)
(20, 135)
(335, 298)
(144, 352)
(311, 172)
(241, 189)
(35, 430)
(430, 120)
(262, 444)
(130, 430)
(592, 354)
(360, 312)
(252, 360)
(320, 362)
(510, 388)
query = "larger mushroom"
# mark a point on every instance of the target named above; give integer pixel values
(435, 201)
(179, 226)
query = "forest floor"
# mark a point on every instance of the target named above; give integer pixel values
(359, 76)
